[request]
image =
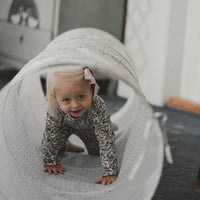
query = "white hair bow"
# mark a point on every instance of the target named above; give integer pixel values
(89, 76)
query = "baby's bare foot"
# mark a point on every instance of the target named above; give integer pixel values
(73, 148)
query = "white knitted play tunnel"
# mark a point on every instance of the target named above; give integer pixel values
(22, 119)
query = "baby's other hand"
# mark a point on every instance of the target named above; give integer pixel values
(55, 169)
(106, 180)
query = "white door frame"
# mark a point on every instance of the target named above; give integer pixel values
(190, 84)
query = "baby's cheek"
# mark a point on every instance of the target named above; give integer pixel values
(87, 103)
(64, 108)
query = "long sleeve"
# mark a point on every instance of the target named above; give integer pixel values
(53, 141)
(106, 138)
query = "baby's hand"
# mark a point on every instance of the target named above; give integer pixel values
(55, 169)
(106, 180)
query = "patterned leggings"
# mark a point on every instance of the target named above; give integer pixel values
(88, 137)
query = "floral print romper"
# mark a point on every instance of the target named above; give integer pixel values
(93, 128)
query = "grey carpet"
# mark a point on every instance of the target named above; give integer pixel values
(179, 181)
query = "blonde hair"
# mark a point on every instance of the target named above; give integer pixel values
(73, 76)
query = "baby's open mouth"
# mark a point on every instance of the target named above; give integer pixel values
(76, 112)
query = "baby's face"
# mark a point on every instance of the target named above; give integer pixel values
(74, 98)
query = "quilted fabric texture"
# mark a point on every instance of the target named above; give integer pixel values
(139, 140)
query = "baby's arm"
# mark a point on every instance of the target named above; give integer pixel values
(53, 141)
(105, 136)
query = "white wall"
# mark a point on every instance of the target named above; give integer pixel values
(175, 50)
(164, 42)
(146, 39)
(190, 83)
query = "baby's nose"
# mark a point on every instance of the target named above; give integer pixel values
(75, 104)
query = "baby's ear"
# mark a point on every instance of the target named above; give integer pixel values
(52, 95)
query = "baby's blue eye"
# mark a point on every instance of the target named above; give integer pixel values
(66, 100)
(81, 96)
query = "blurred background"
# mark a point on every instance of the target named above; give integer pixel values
(163, 39)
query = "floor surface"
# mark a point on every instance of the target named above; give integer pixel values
(179, 180)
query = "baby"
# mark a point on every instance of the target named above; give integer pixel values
(75, 108)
